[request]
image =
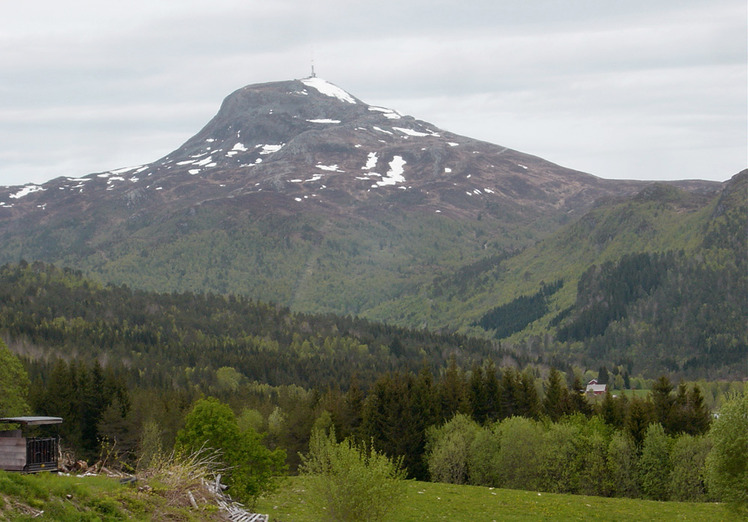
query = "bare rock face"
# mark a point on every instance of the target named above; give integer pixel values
(316, 146)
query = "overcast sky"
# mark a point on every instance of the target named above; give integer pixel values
(653, 89)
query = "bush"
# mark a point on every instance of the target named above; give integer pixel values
(350, 482)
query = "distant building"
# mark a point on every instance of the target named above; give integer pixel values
(596, 389)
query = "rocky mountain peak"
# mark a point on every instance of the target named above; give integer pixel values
(309, 142)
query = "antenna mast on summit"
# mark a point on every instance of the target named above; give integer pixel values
(314, 75)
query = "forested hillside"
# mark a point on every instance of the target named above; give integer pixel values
(657, 283)
(181, 338)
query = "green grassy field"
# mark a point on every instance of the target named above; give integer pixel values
(75, 498)
(426, 501)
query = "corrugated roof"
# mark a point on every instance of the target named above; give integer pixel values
(32, 421)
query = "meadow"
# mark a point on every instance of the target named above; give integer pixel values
(427, 501)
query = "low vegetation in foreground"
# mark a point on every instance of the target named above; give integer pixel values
(81, 498)
(169, 490)
(426, 501)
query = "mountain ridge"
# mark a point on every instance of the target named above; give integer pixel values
(293, 136)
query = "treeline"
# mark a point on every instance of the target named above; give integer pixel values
(576, 455)
(515, 315)
(182, 339)
(666, 312)
(400, 410)
(396, 413)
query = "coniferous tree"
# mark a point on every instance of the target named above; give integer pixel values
(662, 400)
(578, 399)
(526, 396)
(509, 393)
(477, 394)
(556, 402)
(613, 410)
(639, 416)
(452, 391)
(699, 416)
(492, 389)
(602, 376)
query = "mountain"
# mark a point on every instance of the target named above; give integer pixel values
(301, 194)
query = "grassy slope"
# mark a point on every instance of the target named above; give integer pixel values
(47, 496)
(54, 497)
(426, 501)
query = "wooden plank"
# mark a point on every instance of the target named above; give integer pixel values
(13, 449)
(12, 458)
(12, 464)
(12, 442)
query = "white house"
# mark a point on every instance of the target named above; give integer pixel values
(596, 389)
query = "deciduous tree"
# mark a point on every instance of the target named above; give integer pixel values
(252, 468)
(727, 464)
(14, 383)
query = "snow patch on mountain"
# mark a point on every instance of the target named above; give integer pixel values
(371, 161)
(387, 113)
(417, 134)
(323, 120)
(128, 169)
(394, 175)
(207, 162)
(25, 191)
(269, 149)
(328, 89)
(331, 168)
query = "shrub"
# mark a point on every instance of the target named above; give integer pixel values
(350, 482)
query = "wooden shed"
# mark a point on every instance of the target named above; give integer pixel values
(30, 454)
